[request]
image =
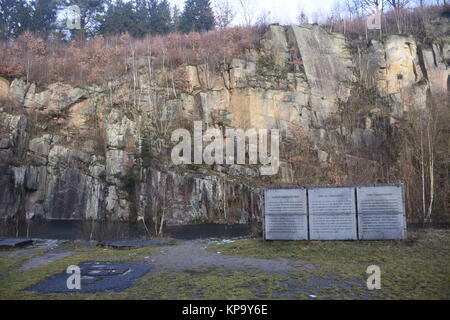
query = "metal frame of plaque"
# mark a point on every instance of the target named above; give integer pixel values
(285, 214)
(381, 212)
(332, 213)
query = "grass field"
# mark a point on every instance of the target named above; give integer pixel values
(418, 268)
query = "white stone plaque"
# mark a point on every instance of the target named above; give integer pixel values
(285, 215)
(332, 213)
(381, 212)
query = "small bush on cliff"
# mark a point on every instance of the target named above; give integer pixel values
(129, 180)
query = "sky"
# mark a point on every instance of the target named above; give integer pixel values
(281, 11)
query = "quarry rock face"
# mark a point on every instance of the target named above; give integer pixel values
(402, 64)
(199, 197)
(277, 43)
(93, 163)
(57, 97)
(438, 71)
(328, 66)
(17, 90)
(4, 88)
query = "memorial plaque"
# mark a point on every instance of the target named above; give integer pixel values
(285, 216)
(381, 212)
(332, 213)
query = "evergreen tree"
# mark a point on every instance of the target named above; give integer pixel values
(120, 17)
(18, 16)
(142, 12)
(176, 15)
(161, 18)
(14, 18)
(44, 15)
(138, 17)
(197, 16)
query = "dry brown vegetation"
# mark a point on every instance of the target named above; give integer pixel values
(351, 19)
(102, 59)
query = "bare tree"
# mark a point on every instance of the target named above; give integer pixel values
(161, 202)
(248, 8)
(373, 5)
(336, 17)
(317, 16)
(398, 4)
(426, 136)
(355, 8)
(263, 18)
(224, 13)
(399, 7)
(302, 17)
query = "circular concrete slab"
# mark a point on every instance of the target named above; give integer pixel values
(97, 277)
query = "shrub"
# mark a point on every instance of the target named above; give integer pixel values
(101, 59)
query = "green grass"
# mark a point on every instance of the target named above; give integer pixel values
(418, 268)
(190, 284)
(13, 282)
(208, 284)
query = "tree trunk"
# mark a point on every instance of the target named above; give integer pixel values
(422, 170)
(431, 168)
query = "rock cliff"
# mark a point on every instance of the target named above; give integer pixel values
(73, 153)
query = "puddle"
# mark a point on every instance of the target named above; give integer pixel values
(101, 231)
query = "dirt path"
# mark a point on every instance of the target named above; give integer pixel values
(41, 253)
(188, 255)
(192, 255)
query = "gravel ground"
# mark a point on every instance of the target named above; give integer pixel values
(189, 255)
